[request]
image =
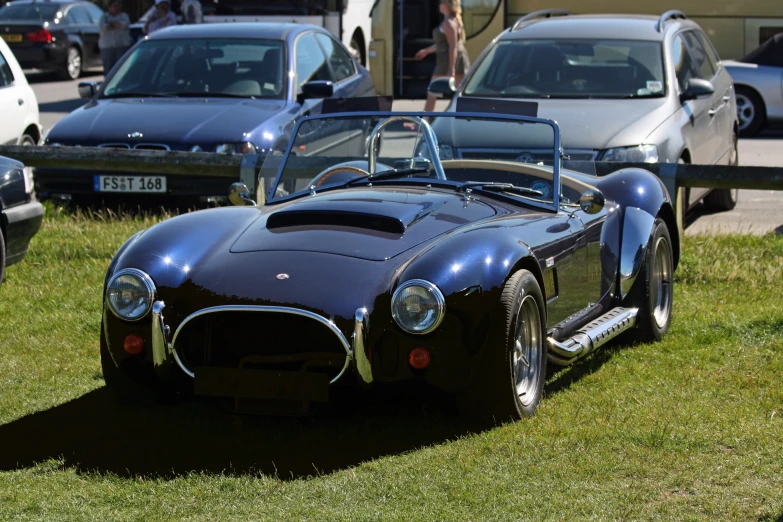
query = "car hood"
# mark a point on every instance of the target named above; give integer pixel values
(372, 224)
(164, 120)
(597, 124)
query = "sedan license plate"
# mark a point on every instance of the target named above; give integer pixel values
(134, 184)
(11, 37)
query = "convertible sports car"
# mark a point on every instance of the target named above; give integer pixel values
(758, 80)
(379, 257)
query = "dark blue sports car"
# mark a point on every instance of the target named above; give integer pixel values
(231, 88)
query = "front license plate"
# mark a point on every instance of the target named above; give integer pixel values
(135, 184)
(11, 37)
(261, 384)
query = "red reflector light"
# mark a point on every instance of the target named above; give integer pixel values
(419, 358)
(41, 35)
(134, 344)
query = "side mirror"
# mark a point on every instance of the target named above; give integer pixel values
(592, 202)
(697, 88)
(87, 89)
(239, 196)
(443, 87)
(316, 89)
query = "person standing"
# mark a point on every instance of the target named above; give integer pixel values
(451, 57)
(163, 17)
(114, 37)
(191, 12)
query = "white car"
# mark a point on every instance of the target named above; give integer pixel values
(18, 105)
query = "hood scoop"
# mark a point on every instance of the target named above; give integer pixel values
(393, 217)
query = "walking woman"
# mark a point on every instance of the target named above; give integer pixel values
(114, 37)
(451, 58)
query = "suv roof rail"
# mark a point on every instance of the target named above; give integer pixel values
(544, 13)
(669, 15)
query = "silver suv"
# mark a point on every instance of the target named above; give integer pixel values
(646, 89)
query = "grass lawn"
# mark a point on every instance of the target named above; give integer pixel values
(687, 429)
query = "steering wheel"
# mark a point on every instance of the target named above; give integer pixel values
(321, 178)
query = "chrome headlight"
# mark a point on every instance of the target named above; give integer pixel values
(418, 306)
(130, 294)
(236, 148)
(638, 154)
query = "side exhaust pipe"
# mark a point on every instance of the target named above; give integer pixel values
(592, 335)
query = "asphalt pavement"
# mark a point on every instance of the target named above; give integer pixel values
(757, 212)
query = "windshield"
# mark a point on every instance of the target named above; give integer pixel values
(36, 11)
(208, 68)
(454, 150)
(570, 69)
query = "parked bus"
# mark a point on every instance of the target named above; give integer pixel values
(401, 27)
(349, 20)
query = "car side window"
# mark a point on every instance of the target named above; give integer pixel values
(706, 69)
(683, 63)
(341, 62)
(94, 11)
(712, 54)
(78, 15)
(311, 63)
(6, 76)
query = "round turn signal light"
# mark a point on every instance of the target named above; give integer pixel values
(419, 358)
(134, 344)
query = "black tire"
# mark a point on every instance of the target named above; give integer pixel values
(131, 384)
(2, 256)
(27, 140)
(652, 290)
(72, 68)
(498, 392)
(722, 200)
(751, 111)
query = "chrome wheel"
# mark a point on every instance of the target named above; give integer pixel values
(74, 64)
(528, 351)
(661, 284)
(746, 111)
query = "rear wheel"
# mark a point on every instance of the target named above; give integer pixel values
(751, 112)
(725, 199)
(509, 382)
(653, 290)
(73, 65)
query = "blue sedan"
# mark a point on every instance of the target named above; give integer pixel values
(230, 88)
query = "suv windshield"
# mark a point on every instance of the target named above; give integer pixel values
(39, 12)
(570, 69)
(219, 68)
(511, 156)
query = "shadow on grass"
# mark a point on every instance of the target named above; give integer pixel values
(92, 434)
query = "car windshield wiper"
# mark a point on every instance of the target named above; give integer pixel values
(135, 95)
(388, 174)
(206, 95)
(500, 187)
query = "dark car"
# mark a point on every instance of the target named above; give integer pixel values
(57, 36)
(230, 88)
(397, 261)
(647, 88)
(20, 216)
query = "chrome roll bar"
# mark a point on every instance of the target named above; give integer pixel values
(429, 138)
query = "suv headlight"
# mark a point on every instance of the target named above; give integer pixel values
(244, 147)
(638, 154)
(418, 306)
(130, 294)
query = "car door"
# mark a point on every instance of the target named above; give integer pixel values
(724, 88)
(82, 29)
(12, 106)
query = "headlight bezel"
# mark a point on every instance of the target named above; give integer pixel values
(440, 301)
(147, 283)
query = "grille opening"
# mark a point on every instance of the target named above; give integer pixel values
(261, 340)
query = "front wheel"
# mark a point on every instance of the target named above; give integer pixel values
(509, 381)
(653, 290)
(751, 112)
(723, 200)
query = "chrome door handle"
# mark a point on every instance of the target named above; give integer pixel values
(727, 98)
(20, 101)
(712, 112)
